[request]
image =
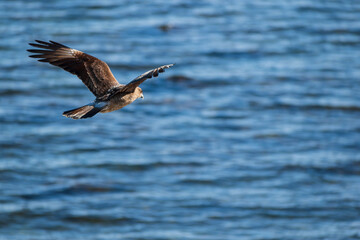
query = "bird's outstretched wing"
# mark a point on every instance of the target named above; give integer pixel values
(130, 87)
(94, 73)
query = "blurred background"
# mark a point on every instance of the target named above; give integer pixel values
(253, 134)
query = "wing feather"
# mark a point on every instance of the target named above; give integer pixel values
(130, 87)
(94, 73)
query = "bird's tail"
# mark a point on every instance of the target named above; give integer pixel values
(86, 111)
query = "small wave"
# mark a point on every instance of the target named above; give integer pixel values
(80, 189)
(317, 107)
(97, 219)
(143, 166)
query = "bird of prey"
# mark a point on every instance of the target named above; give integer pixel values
(96, 75)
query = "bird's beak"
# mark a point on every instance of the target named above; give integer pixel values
(142, 96)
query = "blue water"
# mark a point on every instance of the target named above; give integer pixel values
(253, 134)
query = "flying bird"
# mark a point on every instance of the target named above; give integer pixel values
(96, 75)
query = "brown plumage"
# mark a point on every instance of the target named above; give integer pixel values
(96, 75)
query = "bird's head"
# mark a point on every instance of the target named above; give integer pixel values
(139, 92)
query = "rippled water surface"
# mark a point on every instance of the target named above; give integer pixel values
(253, 134)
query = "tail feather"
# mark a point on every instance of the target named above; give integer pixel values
(86, 111)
